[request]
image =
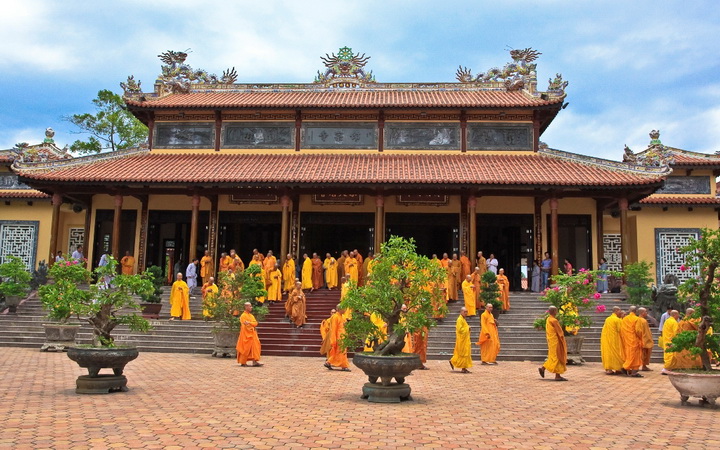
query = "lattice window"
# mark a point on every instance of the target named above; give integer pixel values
(667, 243)
(76, 236)
(612, 249)
(19, 238)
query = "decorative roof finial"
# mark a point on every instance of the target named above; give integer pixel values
(513, 76)
(178, 77)
(655, 137)
(49, 135)
(345, 70)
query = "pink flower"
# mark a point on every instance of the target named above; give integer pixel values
(586, 281)
(556, 289)
(600, 308)
(586, 300)
(597, 295)
(582, 270)
(683, 268)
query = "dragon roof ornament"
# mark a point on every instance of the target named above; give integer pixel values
(345, 70)
(656, 155)
(47, 151)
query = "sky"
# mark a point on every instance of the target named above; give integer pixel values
(633, 66)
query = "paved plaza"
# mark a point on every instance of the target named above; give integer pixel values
(195, 401)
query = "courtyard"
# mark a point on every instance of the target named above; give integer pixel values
(196, 401)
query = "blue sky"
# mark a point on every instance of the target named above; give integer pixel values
(633, 66)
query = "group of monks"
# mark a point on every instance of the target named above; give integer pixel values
(626, 342)
(488, 340)
(670, 328)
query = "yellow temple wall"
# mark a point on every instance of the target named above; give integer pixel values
(392, 206)
(505, 205)
(68, 219)
(40, 211)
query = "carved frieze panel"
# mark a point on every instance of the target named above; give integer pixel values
(422, 199)
(339, 135)
(258, 116)
(408, 136)
(253, 198)
(10, 181)
(258, 135)
(341, 116)
(500, 117)
(184, 135)
(491, 136)
(421, 116)
(337, 199)
(686, 185)
(183, 117)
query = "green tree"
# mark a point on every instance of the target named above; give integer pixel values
(112, 127)
(638, 282)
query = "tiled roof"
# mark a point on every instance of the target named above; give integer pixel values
(338, 169)
(22, 193)
(686, 158)
(679, 200)
(343, 98)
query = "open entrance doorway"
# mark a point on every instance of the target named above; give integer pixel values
(104, 229)
(433, 233)
(168, 238)
(334, 232)
(247, 230)
(510, 238)
(574, 241)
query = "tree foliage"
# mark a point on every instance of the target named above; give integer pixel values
(234, 290)
(399, 277)
(112, 127)
(490, 291)
(638, 279)
(14, 277)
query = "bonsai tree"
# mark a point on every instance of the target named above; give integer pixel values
(399, 277)
(573, 295)
(638, 278)
(103, 307)
(235, 289)
(702, 258)
(15, 278)
(59, 297)
(155, 274)
(490, 291)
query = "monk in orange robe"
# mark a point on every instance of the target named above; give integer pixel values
(225, 262)
(684, 359)
(557, 347)
(419, 345)
(268, 265)
(445, 263)
(464, 266)
(295, 307)
(248, 344)
(336, 355)
(367, 267)
(341, 264)
(361, 274)
(317, 271)
(325, 325)
(632, 343)
(206, 266)
(454, 280)
(180, 299)
(237, 264)
(489, 340)
(481, 263)
(647, 338)
(469, 296)
(257, 255)
(288, 273)
(504, 285)
(128, 264)
(476, 280)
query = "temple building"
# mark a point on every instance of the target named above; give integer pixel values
(344, 162)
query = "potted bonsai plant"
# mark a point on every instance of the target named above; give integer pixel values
(105, 305)
(234, 290)
(14, 282)
(638, 278)
(399, 277)
(152, 305)
(58, 297)
(490, 293)
(702, 258)
(573, 295)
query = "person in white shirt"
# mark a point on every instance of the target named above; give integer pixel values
(663, 318)
(492, 264)
(191, 274)
(78, 254)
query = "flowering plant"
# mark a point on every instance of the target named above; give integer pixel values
(573, 295)
(702, 257)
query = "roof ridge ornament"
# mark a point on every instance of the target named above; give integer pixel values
(513, 75)
(345, 70)
(656, 155)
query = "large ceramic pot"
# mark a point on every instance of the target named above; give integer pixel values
(705, 386)
(12, 302)
(58, 337)
(151, 310)
(96, 358)
(574, 349)
(385, 368)
(225, 342)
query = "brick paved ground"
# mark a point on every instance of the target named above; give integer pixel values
(181, 400)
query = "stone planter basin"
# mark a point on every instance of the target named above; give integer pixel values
(706, 386)
(225, 343)
(58, 337)
(386, 368)
(96, 358)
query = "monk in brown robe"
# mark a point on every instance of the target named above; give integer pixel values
(361, 274)
(336, 355)
(248, 344)
(476, 279)
(295, 307)
(481, 263)
(237, 264)
(631, 337)
(317, 271)
(419, 345)
(341, 264)
(464, 266)
(455, 268)
(647, 338)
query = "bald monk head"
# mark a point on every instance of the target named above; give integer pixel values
(179, 276)
(277, 265)
(207, 252)
(622, 314)
(315, 255)
(689, 312)
(469, 277)
(489, 307)
(642, 312)
(269, 253)
(232, 252)
(445, 255)
(434, 256)
(675, 314)
(632, 309)
(211, 280)
(289, 256)
(616, 310)
(305, 256)
(404, 308)
(298, 284)
(333, 311)
(501, 272)
(463, 311)
(339, 309)
(454, 256)
(327, 255)
(551, 310)
(479, 254)
(477, 269)
(223, 254)
(248, 307)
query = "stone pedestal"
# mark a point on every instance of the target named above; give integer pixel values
(225, 342)
(392, 393)
(224, 352)
(101, 384)
(574, 350)
(58, 338)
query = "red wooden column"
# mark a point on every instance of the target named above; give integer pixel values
(213, 231)
(144, 224)
(379, 222)
(554, 236)
(599, 231)
(624, 232)
(115, 243)
(472, 225)
(192, 251)
(285, 227)
(57, 201)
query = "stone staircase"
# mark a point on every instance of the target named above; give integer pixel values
(518, 339)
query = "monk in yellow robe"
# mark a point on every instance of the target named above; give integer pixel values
(669, 331)
(209, 294)
(462, 354)
(465, 266)
(269, 264)
(476, 280)
(481, 263)
(632, 343)
(248, 344)
(489, 340)
(341, 264)
(237, 264)
(259, 256)
(368, 266)
(351, 268)
(128, 264)
(225, 262)
(504, 285)
(380, 324)
(307, 273)
(296, 306)
(468, 289)
(206, 266)
(445, 263)
(180, 299)
(684, 359)
(317, 272)
(344, 288)
(331, 274)
(336, 355)
(288, 273)
(647, 338)
(557, 347)
(611, 346)
(274, 290)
